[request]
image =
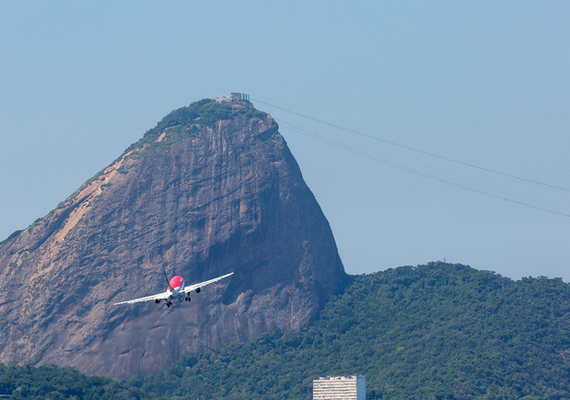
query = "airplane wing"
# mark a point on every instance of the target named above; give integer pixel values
(159, 296)
(202, 284)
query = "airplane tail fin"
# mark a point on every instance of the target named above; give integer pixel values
(167, 280)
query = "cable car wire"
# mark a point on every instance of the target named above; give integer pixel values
(418, 172)
(432, 171)
(417, 150)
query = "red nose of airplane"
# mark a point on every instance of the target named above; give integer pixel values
(176, 282)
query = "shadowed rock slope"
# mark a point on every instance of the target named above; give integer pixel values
(212, 189)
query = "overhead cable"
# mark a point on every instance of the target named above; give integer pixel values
(417, 150)
(416, 171)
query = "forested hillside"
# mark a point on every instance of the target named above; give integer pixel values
(437, 331)
(52, 382)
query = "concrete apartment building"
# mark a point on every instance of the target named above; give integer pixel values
(340, 388)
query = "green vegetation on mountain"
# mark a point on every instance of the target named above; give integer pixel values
(188, 120)
(12, 236)
(51, 382)
(204, 112)
(437, 331)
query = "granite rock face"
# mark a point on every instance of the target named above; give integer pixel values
(212, 189)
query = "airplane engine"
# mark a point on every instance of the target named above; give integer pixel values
(157, 301)
(198, 290)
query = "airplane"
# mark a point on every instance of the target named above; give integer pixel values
(176, 290)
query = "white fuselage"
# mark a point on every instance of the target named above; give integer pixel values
(176, 289)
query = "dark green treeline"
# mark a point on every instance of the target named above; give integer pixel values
(436, 331)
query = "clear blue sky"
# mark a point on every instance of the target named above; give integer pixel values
(483, 82)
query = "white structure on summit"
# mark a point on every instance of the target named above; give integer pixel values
(237, 97)
(340, 388)
(240, 96)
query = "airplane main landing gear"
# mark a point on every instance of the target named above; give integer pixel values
(187, 298)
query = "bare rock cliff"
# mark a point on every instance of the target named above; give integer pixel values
(212, 189)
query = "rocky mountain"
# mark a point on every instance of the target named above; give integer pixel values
(213, 188)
